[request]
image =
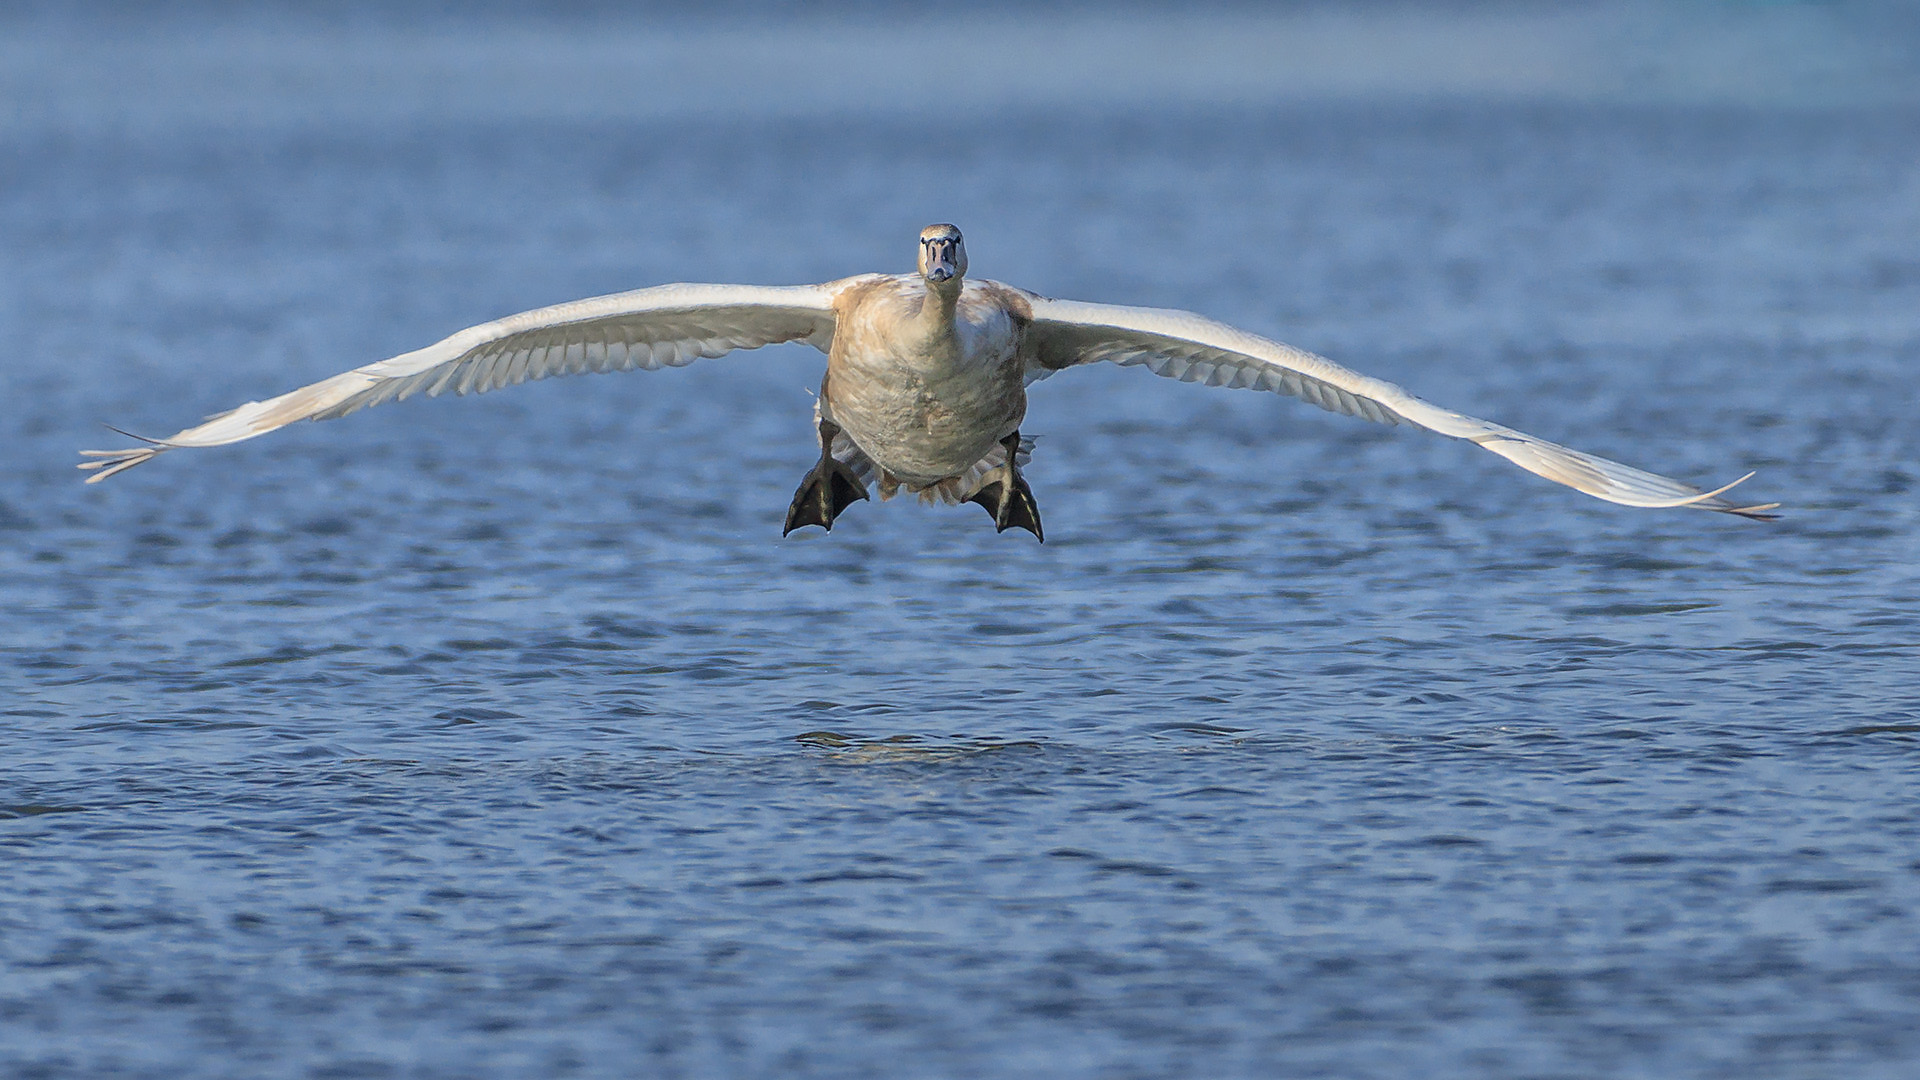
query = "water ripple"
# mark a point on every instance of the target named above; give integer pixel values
(506, 737)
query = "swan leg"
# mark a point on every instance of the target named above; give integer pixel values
(1005, 495)
(827, 490)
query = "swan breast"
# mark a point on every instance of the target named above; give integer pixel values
(926, 396)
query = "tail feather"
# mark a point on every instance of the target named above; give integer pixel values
(952, 491)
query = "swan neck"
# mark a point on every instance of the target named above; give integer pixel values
(937, 314)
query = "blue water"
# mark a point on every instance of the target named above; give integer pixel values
(507, 737)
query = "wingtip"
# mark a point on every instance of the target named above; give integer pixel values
(1756, 512)
(1709, 496)
(1752, 513)
(117, 461)
(1711, 500)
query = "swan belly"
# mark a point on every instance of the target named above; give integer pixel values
(922, 428)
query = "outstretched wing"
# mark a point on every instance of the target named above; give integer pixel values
(1188, 347)
(666, 326)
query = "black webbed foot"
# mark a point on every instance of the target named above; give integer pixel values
(1005, 495)
(827, 491)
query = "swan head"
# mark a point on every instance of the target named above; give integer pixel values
(943, 255)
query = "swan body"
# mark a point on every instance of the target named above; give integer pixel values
(926, 381)
(926, 392)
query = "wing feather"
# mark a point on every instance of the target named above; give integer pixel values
(665, 326)
(1192, 348)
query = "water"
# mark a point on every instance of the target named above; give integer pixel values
(506, 736)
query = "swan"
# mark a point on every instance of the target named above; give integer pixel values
(926, 380)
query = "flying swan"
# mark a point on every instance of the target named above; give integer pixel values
(926, 380)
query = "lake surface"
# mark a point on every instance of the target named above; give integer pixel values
(506, 737)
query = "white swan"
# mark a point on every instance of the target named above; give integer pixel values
(925, 385)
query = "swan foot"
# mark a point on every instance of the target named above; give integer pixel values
(827, 491)
(1005, 495)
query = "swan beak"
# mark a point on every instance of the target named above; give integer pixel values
(941, 263)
